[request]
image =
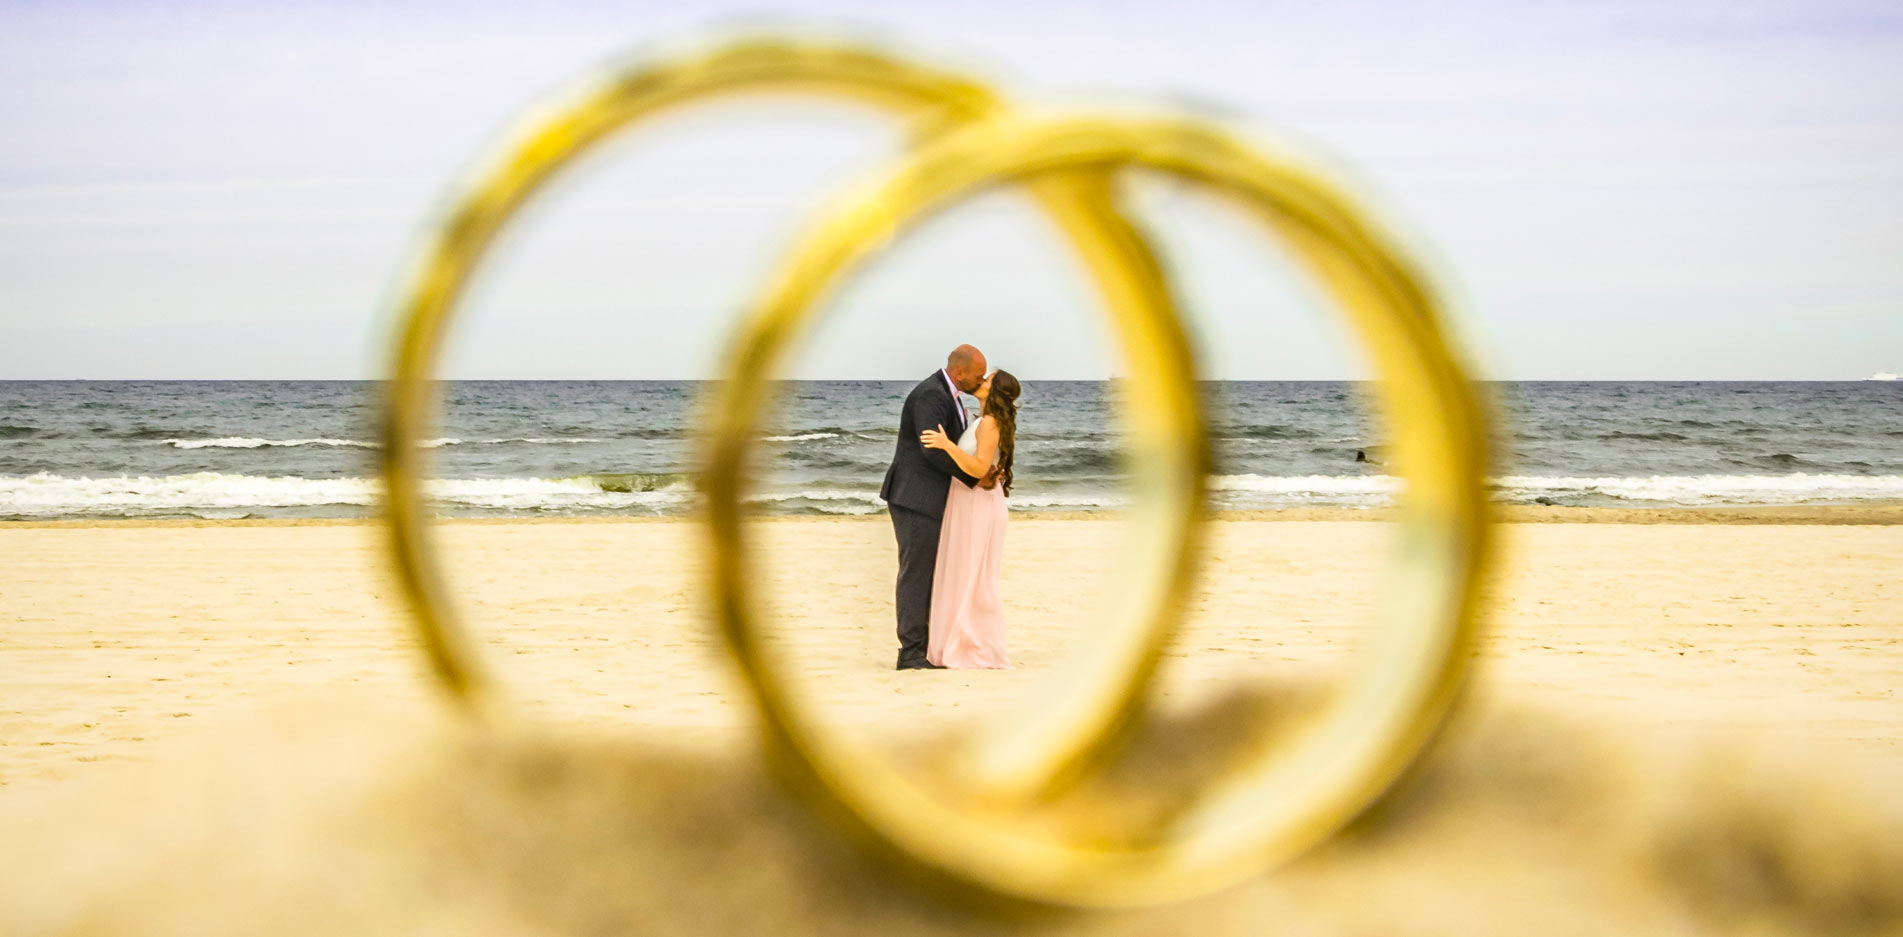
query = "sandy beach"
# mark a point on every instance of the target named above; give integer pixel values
(160, 674)
(571, 278)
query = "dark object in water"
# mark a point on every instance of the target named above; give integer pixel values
(1373, 455)
(630, 482)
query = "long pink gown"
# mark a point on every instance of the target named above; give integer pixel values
(967, 625)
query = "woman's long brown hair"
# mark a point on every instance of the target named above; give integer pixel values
(1001, 405)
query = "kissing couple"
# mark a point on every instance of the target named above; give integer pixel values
(947, 497)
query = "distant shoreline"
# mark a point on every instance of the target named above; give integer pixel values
(1881, 513)
(909, 379)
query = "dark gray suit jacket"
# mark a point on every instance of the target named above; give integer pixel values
(919, 477)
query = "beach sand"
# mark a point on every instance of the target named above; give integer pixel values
(1678, 723)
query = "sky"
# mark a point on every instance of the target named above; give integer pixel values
(1602, 191)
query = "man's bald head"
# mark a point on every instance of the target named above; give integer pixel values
(966, 367)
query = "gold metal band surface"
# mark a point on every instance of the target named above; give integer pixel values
(993, 830)
(932, 101)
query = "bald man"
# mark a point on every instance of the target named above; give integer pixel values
(916, 487)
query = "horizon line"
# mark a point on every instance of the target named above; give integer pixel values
(888, 380)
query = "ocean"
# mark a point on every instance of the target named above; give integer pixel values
(235, 449)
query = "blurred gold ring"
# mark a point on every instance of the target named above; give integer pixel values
(1020, 760)
(1277, 802)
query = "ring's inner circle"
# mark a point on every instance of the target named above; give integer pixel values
(1030, 305)
(927, 99)
(1280, 615)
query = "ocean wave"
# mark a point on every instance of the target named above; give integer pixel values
(1356, 485)
(1660, 436)
(812, 433)
(254, 442)
(1272, 491)
(1782, 460)
(208, 494)
(543, 441)
(843, 501)
(1071, 461)
(147, 432)
(865, 496)
(1680, 490)
(830, 460)
(1241, 432)
(50, 495)
(627, 482)
(18, 432)
(1700, 490)
(1073, 500)
(650, 432)
(46, 495)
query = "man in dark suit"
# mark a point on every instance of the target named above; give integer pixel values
(915, 489)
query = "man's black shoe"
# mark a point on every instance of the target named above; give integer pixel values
(919, 664)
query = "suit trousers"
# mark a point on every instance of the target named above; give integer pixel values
(918, 559)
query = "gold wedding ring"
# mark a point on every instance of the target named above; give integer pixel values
(995, 832)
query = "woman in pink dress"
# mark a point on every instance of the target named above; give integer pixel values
(967, 624)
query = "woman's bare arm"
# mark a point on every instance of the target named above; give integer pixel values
(975, 465)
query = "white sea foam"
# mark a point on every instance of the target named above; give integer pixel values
(1308, 485)
(55, 494)
(1688, 490)
(545, 442)
(844, 495)
(1712, 489)
(254, 442)
(47, 495)
(1021, 499)
(209, 493)
(802, 437)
